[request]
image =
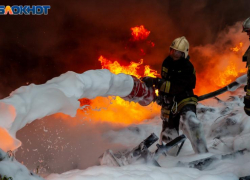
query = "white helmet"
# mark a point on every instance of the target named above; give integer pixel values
(181, 44)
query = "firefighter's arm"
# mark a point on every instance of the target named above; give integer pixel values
(178, 85)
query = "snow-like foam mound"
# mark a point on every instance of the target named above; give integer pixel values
(10, 168)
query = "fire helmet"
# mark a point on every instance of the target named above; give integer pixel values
(181, 44)
(246, 25)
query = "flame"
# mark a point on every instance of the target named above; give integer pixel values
(231, 71)
(228, 75)
(115, 109)
(116, 68)
(150, 72)
(222, 66)
(139, 33)
(132, 69)
(237, 48)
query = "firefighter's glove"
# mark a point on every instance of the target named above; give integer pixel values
(247, 104)
(149, 81)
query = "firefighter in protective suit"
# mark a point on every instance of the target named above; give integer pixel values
(176, 97)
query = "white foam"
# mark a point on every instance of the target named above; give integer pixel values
(59, 94)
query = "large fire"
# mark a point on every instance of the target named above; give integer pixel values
(228, 75)
(222, 66)
(231, 71)
(117, 110)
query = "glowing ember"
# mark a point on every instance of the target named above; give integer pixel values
(139, 33)
(237, 48)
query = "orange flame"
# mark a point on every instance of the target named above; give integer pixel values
(115, 109)
(139, 33)
(228, 75)
(222, 69)
(132, 69)
(150, 72)
(231, 71)
(237, 48)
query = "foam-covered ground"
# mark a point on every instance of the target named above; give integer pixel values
(227, 130)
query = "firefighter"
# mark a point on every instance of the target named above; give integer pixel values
(246, 58)
(176, 97)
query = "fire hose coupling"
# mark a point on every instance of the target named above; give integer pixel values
(141, 93)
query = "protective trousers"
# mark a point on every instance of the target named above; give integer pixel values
(190, 125)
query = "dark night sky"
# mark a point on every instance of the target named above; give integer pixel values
(33, 49)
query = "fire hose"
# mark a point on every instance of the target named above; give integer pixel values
(145, 95)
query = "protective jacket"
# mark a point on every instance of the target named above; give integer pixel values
(178, 81)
